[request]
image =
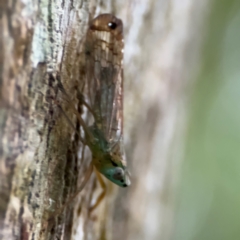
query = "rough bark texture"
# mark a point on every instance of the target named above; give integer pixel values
(42, 160)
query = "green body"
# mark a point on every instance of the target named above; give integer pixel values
(107, 159)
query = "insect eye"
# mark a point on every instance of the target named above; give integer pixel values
(112, 25)
(118, 174)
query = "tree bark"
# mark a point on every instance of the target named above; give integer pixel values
(42, 160)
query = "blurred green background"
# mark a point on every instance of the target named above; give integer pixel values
(208, 203)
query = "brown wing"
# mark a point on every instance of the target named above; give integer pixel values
(104, 56)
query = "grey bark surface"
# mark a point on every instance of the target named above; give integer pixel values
(42, 160)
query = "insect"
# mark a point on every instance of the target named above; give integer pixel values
(104, 56)
(104, 100)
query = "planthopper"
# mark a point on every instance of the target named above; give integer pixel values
(103, 97)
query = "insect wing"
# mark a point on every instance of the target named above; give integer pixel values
(104, 56)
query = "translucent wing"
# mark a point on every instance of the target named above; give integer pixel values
(104, 89)
(104, 56)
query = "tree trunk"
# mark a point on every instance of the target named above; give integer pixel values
(42, 160)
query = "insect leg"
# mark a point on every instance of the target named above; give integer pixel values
(103, 193)
(81, 97)
(67, 98)
(71, 124)
(67, 118)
